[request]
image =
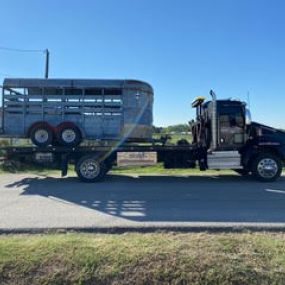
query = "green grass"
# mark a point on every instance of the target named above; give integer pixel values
(17, 167)
(158, 169)
(133, 258)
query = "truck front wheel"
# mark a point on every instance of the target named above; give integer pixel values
(90, 169)
(267, 167)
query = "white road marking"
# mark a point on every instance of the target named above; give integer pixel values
(275, 191)
(132, 214)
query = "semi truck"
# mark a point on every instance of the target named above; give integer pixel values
(223, 134)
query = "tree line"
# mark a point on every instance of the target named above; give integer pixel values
(179, 128)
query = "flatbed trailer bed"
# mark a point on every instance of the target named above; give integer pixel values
(123, 148)
(101, 156)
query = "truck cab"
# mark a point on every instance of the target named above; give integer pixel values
(230, 125)
(223, 128)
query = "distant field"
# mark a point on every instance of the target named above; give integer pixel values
(175, 137)
(135, 258)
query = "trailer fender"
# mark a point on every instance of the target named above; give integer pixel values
(39, 123)
(64, 164)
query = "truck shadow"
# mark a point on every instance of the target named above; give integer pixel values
(226, 198)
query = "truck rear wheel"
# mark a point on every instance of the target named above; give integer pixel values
(68, 135)
(267, 167)
(90, 169)
(41, 135)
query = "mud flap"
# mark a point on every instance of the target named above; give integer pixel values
(64, 164)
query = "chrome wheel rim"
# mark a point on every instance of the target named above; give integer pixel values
(267, 168)
(68, 135)
(90, 168)
(41, 135)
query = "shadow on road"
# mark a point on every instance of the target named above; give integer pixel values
(169, 198)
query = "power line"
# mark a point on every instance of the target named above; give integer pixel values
(21, 50)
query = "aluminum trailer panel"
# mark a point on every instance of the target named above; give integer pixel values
(102, 109)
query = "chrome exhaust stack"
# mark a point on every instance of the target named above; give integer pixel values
(214, 120)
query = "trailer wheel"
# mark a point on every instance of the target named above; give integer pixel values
(68, 135)
(41, 135)
(90, 169)
(267, 167)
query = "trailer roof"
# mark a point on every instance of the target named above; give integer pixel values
(73, 83)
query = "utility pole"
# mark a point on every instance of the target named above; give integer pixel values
(47, 63)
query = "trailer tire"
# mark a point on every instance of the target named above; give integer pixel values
(90, 169)
(68, 135)
(266, 167)
(41, 135)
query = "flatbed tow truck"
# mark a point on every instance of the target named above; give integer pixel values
(223, 138)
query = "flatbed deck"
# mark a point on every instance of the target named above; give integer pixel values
(181, 156)
(99, 148)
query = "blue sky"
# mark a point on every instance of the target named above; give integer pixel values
(183, 48)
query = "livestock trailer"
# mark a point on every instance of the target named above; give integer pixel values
(66, 111)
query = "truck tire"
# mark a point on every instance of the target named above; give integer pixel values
(41, 135)
(90, 169)
(68, 135)
(266, 167)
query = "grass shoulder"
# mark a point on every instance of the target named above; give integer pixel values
(159, 169)
(133, 258)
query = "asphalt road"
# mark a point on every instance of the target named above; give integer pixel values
(29, 202)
